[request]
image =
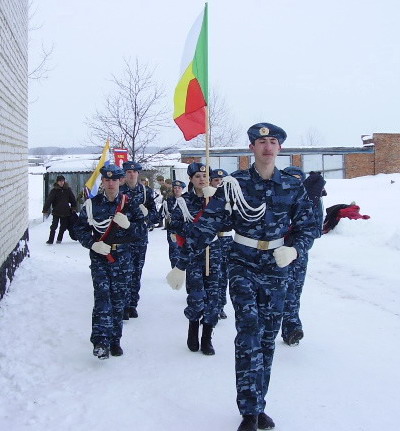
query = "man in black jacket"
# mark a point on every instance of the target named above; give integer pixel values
(63, 202)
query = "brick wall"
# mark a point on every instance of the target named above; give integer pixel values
(387, 153)
(190, 160)
(358, 165)
(297, 160)
(13, 137)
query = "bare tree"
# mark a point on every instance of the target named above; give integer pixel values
(222, 128)
(312, 138)
(41, 69)
(134, 114)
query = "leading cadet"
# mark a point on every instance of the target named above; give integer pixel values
(144, 197)
(261, 203)
(110, 257)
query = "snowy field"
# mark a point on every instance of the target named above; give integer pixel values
(344, 375)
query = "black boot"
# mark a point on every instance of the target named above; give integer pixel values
(115, 349)
(193, 336)
(101, 350)
(265, 422)
(126, 314)
(51, 237)
(206, 345)
(249, 423)
(133, 312)
(294, 337)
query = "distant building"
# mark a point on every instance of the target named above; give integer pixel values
(380, 153)
(13, 138)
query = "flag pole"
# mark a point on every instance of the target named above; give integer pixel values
(208, 182)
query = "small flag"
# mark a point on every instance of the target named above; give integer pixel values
(191, 93)
(93, 183)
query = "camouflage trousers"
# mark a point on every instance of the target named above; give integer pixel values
(202, 290)
(257, 296)
(137, 263)
(173, 250)
(110, 289)
(225, 244)
(296, 277)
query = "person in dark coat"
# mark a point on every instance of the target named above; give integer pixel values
(339, 211)
(63, 203)
(315, 186)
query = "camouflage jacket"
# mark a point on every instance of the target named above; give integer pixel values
(103, 209)
(286, 204)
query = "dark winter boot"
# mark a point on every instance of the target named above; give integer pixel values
(115, 349)
(249, 423)
(193, 336)
(51, 237)
(133, 312)
(222, 315)
(126, 314)
(206, 345)
(101, 350)
(265, 422)
(294, 337)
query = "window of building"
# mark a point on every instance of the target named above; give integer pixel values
(230, 164)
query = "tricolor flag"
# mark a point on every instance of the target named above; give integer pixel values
(93, 183)
(191, 93)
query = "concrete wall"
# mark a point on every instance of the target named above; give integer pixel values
(13, 137)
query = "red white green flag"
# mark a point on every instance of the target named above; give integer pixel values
(191, 93)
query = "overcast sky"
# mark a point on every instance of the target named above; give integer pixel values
(332, 68)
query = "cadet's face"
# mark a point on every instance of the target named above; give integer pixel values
(215, 182)
(177, 191)
(199, 180)
(265, 149)
(131, 176)
(61, 183)
(109, 185)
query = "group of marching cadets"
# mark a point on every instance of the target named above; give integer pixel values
(274, 225)
(114, 226)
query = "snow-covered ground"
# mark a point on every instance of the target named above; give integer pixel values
(344, 375)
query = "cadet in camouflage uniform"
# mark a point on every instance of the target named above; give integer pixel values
(225, 241)
(292, 328)
(260, 203)
(168, 206)
(202, 289)
(144, 197)
(109, 279)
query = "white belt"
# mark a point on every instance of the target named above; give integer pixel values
(225, 233)
(215, 238)
(258, 244)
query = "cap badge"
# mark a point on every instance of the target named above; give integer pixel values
(202, 168)
(220, 173)
(264, 131)
(109, 174)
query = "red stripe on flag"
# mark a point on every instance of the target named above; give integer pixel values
(194, 97)
(192, 124)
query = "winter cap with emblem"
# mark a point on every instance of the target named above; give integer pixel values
(266, 130)
(131, 166)
(295, 171)
(218, 173)
(196, 167)
(177, 183)
(112, 172)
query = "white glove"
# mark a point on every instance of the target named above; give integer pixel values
(176, 278)
(144, 210)
(121, 220)
(208, 191)
(101, 247)
(284, 255)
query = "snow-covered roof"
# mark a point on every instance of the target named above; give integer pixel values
(73, 163)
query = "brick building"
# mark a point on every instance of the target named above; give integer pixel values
(13, 138)
(379, 153)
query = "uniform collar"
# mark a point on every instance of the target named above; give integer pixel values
(276, 175)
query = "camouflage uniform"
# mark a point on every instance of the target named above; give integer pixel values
(140, 194)
(257, 284)
(109, 279)
(203, 291)
(225, 242)
(171, 237)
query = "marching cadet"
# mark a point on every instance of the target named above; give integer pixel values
(292, 328)
(202, 289)
(144, 197)
(168, 206)
(225, 240)
(106, 226)
(260, 203)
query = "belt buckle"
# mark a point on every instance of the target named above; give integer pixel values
(113, 247)
(262, 245)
